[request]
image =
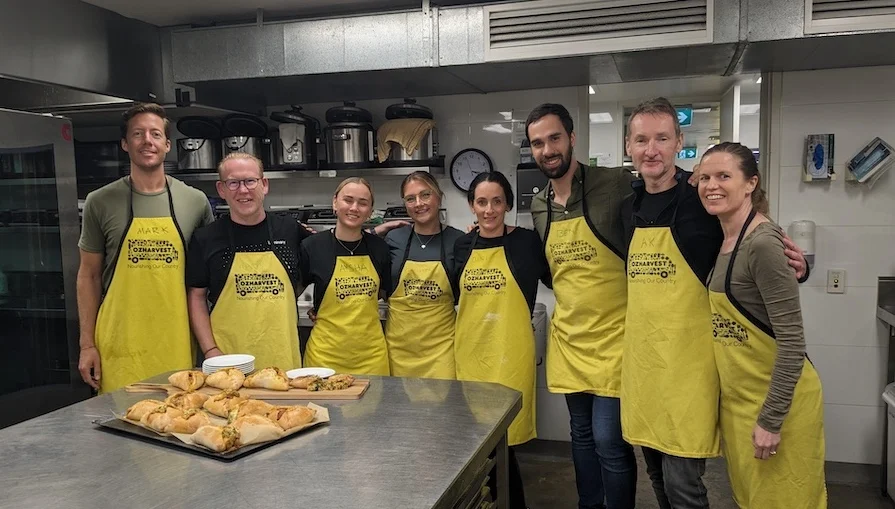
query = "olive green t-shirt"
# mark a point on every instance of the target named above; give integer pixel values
(765, 285)
(106, 214)
(605, 188)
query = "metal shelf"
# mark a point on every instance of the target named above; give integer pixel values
(29, 228)
(27, 181)
(317, 174)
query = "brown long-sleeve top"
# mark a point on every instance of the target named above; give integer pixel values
(762, 282)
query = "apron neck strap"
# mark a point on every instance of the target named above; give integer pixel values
(550, 201)
(410, 241)
(736, 247)
(130, 199)
(476, 236)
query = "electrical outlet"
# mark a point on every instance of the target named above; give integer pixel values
(836, 281)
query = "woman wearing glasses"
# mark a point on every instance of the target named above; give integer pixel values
(246, 266)
(420, 328)
(350, 270)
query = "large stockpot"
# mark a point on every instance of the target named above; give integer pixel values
(201, 149)
(349, 136)
(428, 147)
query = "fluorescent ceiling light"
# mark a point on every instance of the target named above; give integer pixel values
(590, 89)
(758, 80)
(749, 109)
(600, 118)
(507, 115)
(702, 110)
(497, 128)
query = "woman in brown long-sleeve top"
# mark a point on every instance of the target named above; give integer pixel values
(771, 399)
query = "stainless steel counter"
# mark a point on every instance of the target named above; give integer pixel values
(412, 443)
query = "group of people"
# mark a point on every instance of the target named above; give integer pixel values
(676, 328)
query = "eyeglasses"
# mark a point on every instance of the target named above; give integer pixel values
(233, 184)
(423, 197)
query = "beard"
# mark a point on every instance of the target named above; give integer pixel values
(560, 170)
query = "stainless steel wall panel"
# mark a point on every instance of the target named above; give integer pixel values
(313, 47)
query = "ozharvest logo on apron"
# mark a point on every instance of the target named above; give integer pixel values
(484, 280)
(578, 252)
(728, 332)
(151, 250)
(260, 286)
(355, 286)
(651, 268)
(419, 289)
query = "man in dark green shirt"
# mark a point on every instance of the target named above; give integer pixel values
(578, 219)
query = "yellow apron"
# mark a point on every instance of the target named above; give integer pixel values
(256, 312)
(584, 347)
(347, 336)
(669, 390)
(495, 340)
(142, 327)
(745, 351)
(421, 316)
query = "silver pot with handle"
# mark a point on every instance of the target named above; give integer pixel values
(201, 149)
(349, 136)
(427, 149)
(247, 134)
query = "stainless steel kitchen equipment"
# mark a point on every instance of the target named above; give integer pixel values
(294, 146)
(349, 136)
(246, 133)
(200, 150)
(39, 262)
(427, 150)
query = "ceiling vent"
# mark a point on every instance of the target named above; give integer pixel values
(833, 16)
(557, 28)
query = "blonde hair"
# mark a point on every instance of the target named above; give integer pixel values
(232, 156)
(424, 177)
(355, 180)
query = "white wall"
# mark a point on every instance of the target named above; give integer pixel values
(749, 119)
(855, 232)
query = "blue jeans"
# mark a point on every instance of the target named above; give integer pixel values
(605, 466)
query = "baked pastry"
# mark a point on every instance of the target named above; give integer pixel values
(268, 378)
(221, 404)
(161, 417)
(251, 407)
(141, 408)
(303, 381)
(254, 429)
(216, 438)
(189, 422)
(187, 380)
(288, 417)
(187, 400)
(226, 379)
(333, 383)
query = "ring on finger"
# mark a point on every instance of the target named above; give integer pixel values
(773, 453)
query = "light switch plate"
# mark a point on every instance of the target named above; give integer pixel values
(836, 281)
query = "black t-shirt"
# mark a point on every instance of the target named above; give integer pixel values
(318, 254)
(525, 256)
(697, 233)
(210, 257)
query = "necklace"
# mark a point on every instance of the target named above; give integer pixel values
(351, 251)
(423, 244)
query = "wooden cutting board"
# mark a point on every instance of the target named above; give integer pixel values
(354, 392)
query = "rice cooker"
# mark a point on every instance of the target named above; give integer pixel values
(349, 136)
(294, 145)
(246, 133)
(200, 150)
(428, 147)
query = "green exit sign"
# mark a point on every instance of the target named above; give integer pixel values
(687, 153)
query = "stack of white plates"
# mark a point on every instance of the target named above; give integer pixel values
(242, 362)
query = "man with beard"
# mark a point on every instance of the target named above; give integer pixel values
(578, 218)
(131, 291)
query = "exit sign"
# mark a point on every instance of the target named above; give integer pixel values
(687, 153)
(684, 115)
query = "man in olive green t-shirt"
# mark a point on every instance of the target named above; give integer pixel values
(131, 286)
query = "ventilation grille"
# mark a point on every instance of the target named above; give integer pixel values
(830, 16)
(572, 27)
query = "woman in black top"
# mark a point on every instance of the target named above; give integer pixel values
(350, 270)
(498, 268)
